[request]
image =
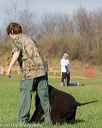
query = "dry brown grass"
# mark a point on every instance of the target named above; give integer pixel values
(5, 52)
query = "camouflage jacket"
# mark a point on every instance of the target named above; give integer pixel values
(31, 63)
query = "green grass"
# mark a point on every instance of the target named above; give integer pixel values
(89, 116)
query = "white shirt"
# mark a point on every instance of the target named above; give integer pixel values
(64, 62)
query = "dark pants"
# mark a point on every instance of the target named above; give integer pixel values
(40, 85)
(65, 77)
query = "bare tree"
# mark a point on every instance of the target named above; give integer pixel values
(23, 15)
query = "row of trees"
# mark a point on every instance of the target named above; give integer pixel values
(80, 35)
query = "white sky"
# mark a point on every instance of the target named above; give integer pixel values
(45, 6)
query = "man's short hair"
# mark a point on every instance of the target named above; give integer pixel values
(65, 55)
(14, 27)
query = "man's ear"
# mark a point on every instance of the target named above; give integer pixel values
(12, 32)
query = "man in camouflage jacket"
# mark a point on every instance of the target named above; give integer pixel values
(33, 72)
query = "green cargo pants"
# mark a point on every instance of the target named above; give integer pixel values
(40, 85)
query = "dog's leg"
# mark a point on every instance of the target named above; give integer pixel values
(34, 117)
(37, 116)
(56, 117)
(71, 117)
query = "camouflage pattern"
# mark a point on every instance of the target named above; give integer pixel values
(32, 63)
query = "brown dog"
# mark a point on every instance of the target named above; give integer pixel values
(63, 107)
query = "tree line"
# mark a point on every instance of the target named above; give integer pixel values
(79, 34)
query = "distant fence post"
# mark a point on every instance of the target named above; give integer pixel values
(4, 67)
(54, 70)
(1, 70)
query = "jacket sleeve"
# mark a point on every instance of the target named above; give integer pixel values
(16, 47)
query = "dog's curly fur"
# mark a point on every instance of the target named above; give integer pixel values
(63, 107)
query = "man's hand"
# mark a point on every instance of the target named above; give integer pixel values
(8, 72)
(13, 60)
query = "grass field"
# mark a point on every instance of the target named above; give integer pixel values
(88, 116)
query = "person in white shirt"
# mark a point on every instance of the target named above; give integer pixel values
(65, 72)
(65, 69)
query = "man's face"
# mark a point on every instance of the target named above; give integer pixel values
(12, 35)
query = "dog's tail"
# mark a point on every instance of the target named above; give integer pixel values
(80, 104)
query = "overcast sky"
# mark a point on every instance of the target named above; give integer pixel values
(41, 7)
